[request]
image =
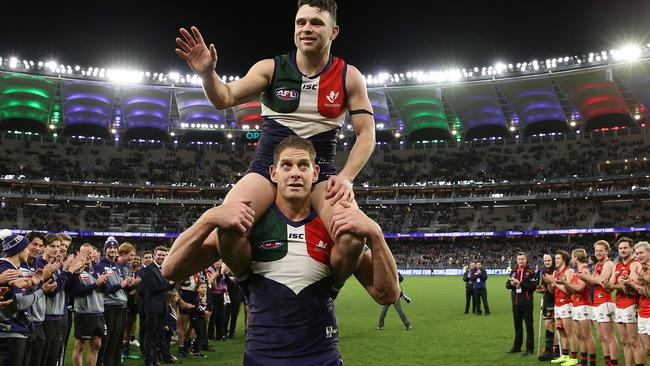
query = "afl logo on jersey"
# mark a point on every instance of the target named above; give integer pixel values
(271, 244)
(286, 93)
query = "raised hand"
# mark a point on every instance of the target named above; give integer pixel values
(201, 59)
(37, 277)
(49, 269)
(126, 282)
(20, 283)
(9, 275)
(4, 303)
(49, 286)
(101, 280)
(135, 281)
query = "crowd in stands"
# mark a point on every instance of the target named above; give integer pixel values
(526, 161)
(395, 218)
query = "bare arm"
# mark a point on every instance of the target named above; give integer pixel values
(377, 272)
(246, 89)
(339, 187)
(604, 276)
(567, 278)
(578, 287)
(196, 248)
(363, 124)
(203, 61)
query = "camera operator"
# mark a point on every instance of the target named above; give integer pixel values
(398, 307)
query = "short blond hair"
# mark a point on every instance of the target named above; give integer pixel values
(580, 254)
(602, 243)
(642, 244)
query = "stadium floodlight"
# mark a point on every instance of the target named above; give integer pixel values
(380, 125)
(13, 62)
(454, 132)
(629, 53)
(229, 135)
(172, 134)
(512, 128)
(637, 117)
(52, 127)
(123, 76)
(113, 131)
(573, 123)
(500, 67)
(175, 76)
(77, 68)
(398, 135)
(341, 136)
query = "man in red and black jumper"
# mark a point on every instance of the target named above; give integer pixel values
(522, 283)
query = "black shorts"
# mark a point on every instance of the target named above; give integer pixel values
(260, 165)
(548, 312)
(89, 326)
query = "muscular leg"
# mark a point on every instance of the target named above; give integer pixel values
(633, 336)
(348, 247)
(604, 342)
(627, 346)
(77, 353)
(609, 334)
(570, 328)
(235, 252)
(91, 356)
(645, 342)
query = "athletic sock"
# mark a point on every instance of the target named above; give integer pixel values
(592, 359)
(565, 352)
(574, 355)
(583, 358)
(613, 362)
(608, 360)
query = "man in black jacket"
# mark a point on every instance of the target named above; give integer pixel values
(469, 288)
(522, 283)
(551, 349)
(155, 290)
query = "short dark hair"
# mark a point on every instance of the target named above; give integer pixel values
(566, 257)
(324, 5)
(161, 248)
(146, 252)
(35, 234)
(625, 239)
(297, 143)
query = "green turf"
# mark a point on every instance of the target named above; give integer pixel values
(441, 335)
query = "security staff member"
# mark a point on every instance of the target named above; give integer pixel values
(522, 283)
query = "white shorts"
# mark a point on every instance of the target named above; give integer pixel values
(604, 313)
(563, 312)
(627, 315)
(644, 326)
(583, 312)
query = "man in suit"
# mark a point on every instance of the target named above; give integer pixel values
(469, 288)
(155, 290)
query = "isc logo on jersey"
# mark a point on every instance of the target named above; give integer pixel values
(286, 94)
(299, 236)
(271, 244)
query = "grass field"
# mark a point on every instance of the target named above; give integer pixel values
(441, 335)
